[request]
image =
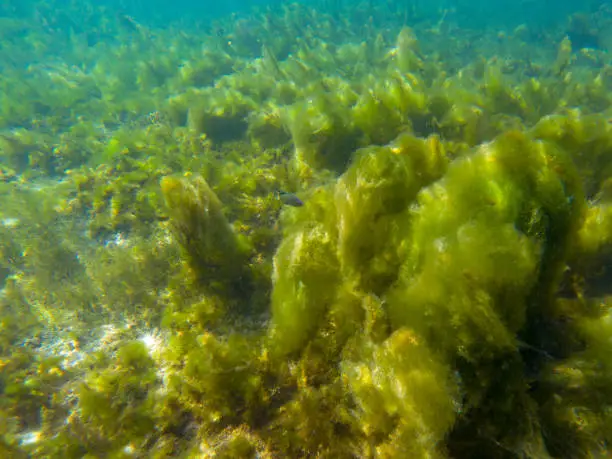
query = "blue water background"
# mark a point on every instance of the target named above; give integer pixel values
(469, 13)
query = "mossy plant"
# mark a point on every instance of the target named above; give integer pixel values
(216, 254)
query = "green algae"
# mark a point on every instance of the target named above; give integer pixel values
(200, 226)
(442, 292)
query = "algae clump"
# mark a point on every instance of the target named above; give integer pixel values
(214, 252)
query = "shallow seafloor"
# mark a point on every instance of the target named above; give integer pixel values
(443, 291)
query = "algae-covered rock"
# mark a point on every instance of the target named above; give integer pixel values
(506, 215)
(457, 256)
(352, 237)
(214, 252)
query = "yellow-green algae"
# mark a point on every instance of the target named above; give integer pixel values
(443, 292)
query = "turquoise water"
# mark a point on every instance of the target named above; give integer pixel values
(317, 229)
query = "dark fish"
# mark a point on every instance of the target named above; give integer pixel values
(290, 199)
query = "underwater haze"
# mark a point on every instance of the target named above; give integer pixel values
(327, 229)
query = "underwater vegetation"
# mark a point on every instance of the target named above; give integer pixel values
(293, 235)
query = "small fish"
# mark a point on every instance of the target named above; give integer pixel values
(289, 199)
(128, 22)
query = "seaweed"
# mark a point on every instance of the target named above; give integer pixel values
(443, 291)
